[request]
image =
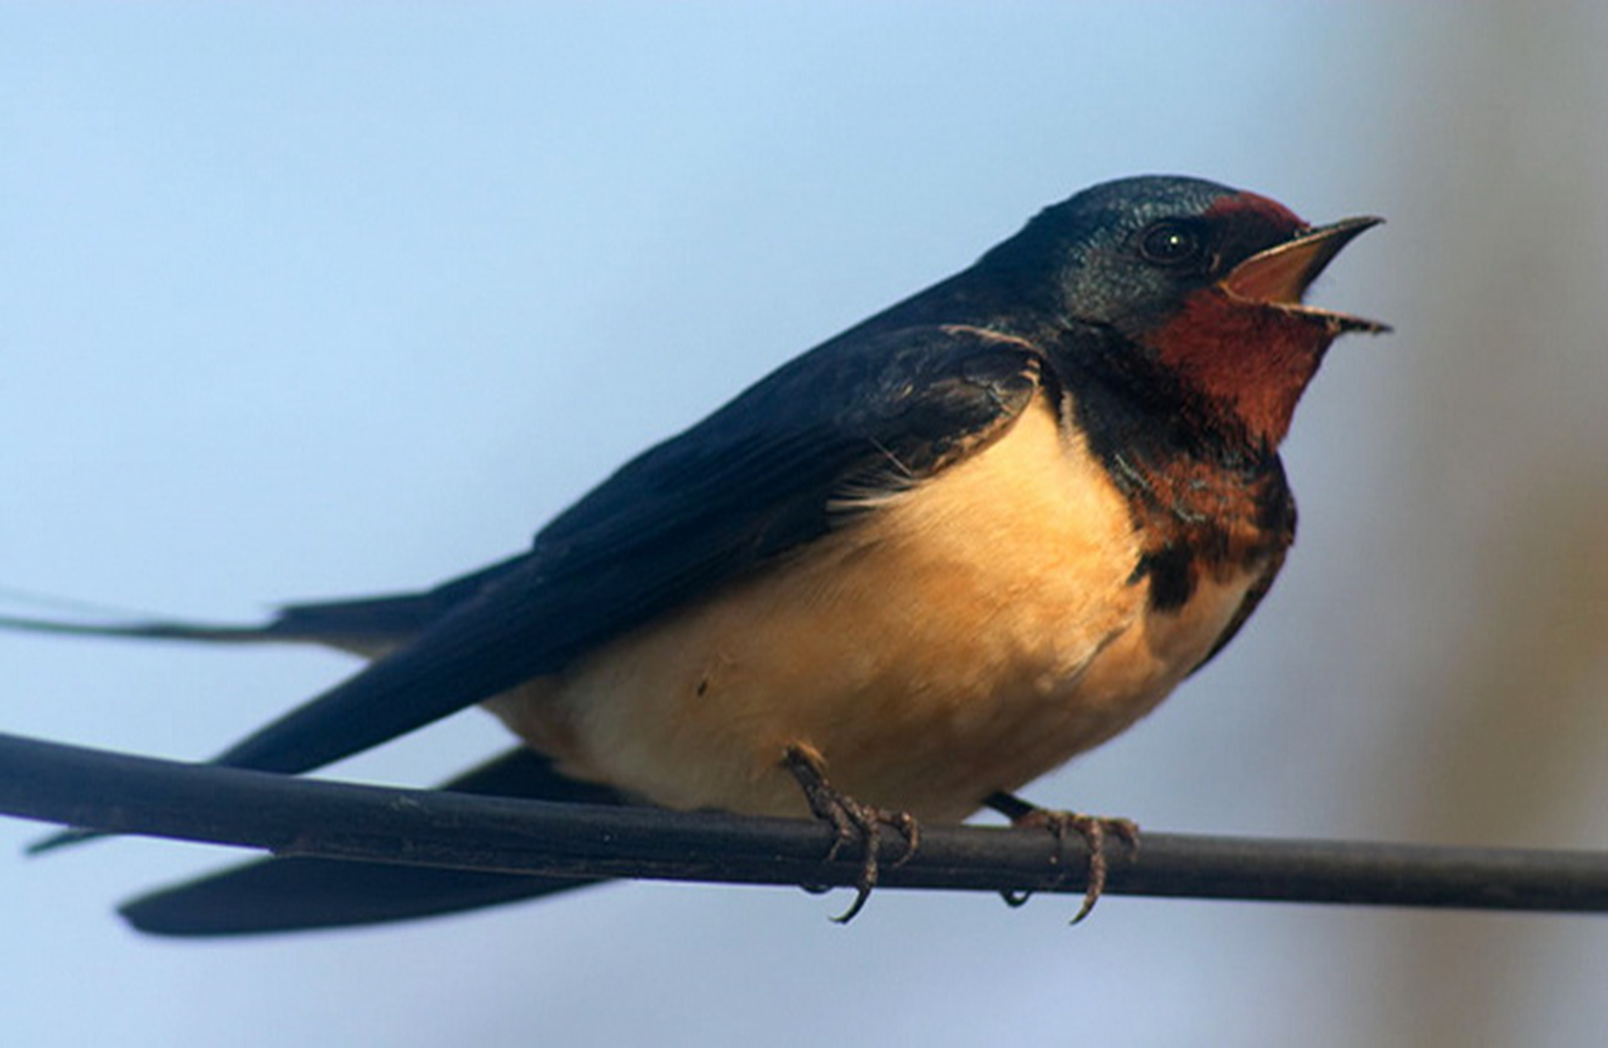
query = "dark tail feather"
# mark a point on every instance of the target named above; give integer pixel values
(367, 626)
(367, 709)
(155, 629)
(62, 839)
(299, 893)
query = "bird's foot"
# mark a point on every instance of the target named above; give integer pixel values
(850, 820)
(1093, 829)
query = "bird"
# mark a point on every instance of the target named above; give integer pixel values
(892, 582)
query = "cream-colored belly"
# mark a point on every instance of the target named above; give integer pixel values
(961, 638)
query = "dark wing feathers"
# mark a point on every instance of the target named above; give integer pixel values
(751, 482)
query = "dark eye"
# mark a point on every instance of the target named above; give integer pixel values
(1170, 244)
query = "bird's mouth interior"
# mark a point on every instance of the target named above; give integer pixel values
(1280, 275)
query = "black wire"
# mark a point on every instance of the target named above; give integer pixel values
(121, 793)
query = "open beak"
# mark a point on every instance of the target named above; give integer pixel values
(1280, 276)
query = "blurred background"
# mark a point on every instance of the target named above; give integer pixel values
(312, 300)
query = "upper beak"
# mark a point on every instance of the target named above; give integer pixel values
(1281, 275)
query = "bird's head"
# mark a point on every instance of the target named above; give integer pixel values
(1204, 284)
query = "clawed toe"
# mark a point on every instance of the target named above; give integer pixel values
(1092, 829)
(851, 822)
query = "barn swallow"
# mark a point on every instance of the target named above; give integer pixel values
(897, 579)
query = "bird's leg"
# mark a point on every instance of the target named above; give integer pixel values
(850, 820)
(1092, 828)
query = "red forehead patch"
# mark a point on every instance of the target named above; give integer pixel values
(1252, 204)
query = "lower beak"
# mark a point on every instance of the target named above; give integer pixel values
(1279, 277)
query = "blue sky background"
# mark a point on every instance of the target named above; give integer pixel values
(311, 300)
